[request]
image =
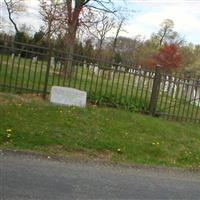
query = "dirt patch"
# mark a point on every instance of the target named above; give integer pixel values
(59, 150)
(33, 97)
(6, 98)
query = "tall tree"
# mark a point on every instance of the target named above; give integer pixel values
(166, 31)
(167, 35)
(120, 23)
(74, 10)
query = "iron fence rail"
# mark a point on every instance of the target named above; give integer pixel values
(26, 68)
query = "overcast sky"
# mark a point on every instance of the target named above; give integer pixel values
(146, 19)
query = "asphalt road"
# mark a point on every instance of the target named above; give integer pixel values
(25, 177)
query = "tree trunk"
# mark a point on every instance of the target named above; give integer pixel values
(69, 68)
(116, 36)
(10, 16)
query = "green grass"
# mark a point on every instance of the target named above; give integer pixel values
(39, 126)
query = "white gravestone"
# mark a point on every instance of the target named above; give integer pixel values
(91, 67)
(68, 96)
(96, 70)
(85, 64)
(34, 59)
(52, 62)
(122, 69)
(12, 56)
(58, 64)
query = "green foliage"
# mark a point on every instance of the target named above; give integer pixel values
(39, 38)
(88, 51)
(22, 37)
(191, 58)
(117, 58)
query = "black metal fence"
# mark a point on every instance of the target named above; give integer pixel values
(26, 68)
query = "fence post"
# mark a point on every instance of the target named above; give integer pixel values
(47, 71)
(155, 91)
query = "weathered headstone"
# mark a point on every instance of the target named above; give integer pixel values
(167, 84)
(174, 91)
(68, 96)
(58, 65)
(123, 69)
(91, 67)
(85, 64)
(12, 56)
(189, 90)
(35, 59)
(197, 96)
(180, 88)
(131, 70)
(52, 62)
(96, 70)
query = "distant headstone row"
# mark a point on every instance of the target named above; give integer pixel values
(177, 88)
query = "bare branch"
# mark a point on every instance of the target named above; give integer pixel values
(14, 7)
(101, 28)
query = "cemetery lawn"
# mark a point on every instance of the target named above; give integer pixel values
(31, 124)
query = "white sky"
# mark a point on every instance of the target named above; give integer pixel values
(185, 14)
(145, 20)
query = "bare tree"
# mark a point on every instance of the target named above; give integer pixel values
(121, 17)
(14, 7)
(166, 30)
(167, 35)
(100, 28)
(51, 15)
(119, 27)
(25, 28)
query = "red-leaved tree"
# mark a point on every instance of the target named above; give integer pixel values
(168, 57)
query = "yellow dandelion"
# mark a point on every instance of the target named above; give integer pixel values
(8, 130)
(118, 150)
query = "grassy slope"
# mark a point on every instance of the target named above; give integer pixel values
(95, 130)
